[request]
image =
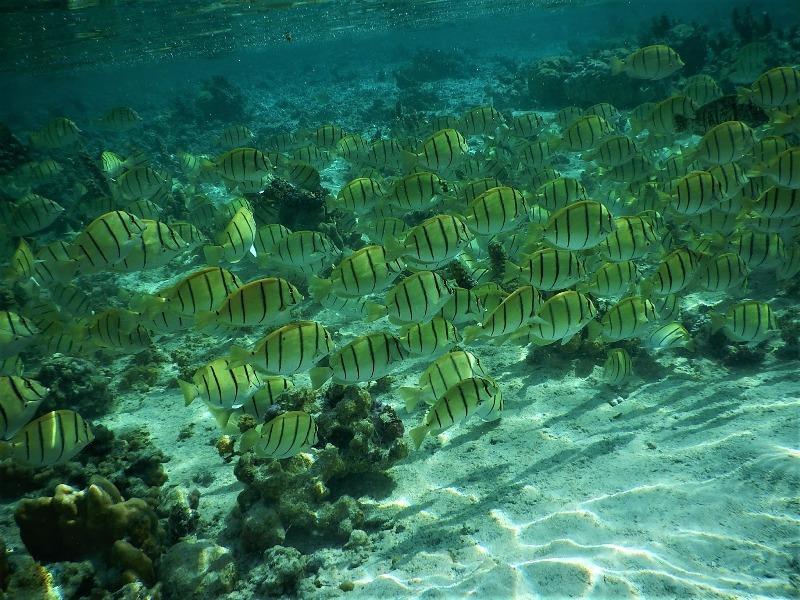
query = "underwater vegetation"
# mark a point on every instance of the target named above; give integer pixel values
(207, 303)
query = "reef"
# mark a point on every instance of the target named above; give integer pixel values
(197, 569)
(307, 504)
(294, 207)
(427, 66)
(219, 99)
(95, 523)
(76, 384)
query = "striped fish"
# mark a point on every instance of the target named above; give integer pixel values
(52, 439)
(696, 193)
(651, 62)
(306, 251)
(618, 366)
(235, 241)
(725, 143)
(106, 241)
(353, 148)
(429, 339)
(442, 151)
(778, 202)
(631, 317)
(273, 387)
(702, 88)
(670, 335)
(750, 322)
(157, 246)
(445, 372)
(312, 155)
(221, 386)
(586, 133)
(378, 229)
(560, 192)
(417, 298)
(561, 317)
(33, 213)
(388, 154)
(731, 178)
(118, 329)
(517, 309)
(663, 119)
(358, 195)
(527, 124)
(568, 115)
(775, 88)
(758, 248)
(139, 182)
(16, 332)
(538, 153)
(72, 299)
(268, 236)
(783, 170)
(475, 395)
(495, 211)
(283, 437)
(288, 350)
(722, 272)
(463, 307)
(469, 191)
(366, 358)
(56, 133)
(199, 292)
(119, 119)
(791, 266)
(327, 136)
(547, 269)
(579, 226)
(611, 279)
(235, 136)
(437, 239)
(19, 399)
(244, 164)
(612, 151)
(416, 191)
(261, 302)
(482, 120)
(23, 264)
(366, 271)
(673, 274)
(189, 234)
(766, 149)
(668, 307)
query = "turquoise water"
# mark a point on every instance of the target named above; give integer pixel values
(399, 299)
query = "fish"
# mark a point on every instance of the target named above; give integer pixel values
(244, 164)
(34, 213)
(696, 193)
(417, 298)
(497, 210)
(611, 279)
(440, 376)
(675, 272)
(791, 265)
(777, 87)
(629, 318)
(783, 170)
(71, 298)
(12, 365)
(671, 335)
(651, 62)
(670, 115)
(389, 154)
(538, 153)
(568, 115)
(579, 226)
(284, 436)
(560, 192)
(463, 307)
(139, 182)
(288, 350)
(722, 272)
(201, 291)
(235, 136)
(612, 151)
(358, 195)
(19, 399)
(778, 202)
(106, 241)
(429, 339)
(441, 152)
(731, 178)
(327, 136)
(56, 133)
(16, 333)
(519, 308)
(767, 149)
(188, 233)
(724, 143)
(475, 395)
(119, 119)
(586, 133)
(157, 246)
(725, 108)
(366, 271)
(306, 251)
(378, 229)
(268, 236)
(617, 367)
(118, 329)
(561, 317)
(235, 241)
(23, 263)
(527, 125)
(416, 191)
(702, 89)
(353, 147)
(365, 358)
(310, 154)
(632, 238)
(758, 248)
(547, 269)
(220, 385)
(264, 301)
(52, 439)
(751, 322)
(437, 239)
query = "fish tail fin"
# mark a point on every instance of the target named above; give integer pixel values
(617, 66)
(375, 311)
(717, 321)
(204, 319)
(393, 248)
(511, 273)
(471, 333)
(319, 287)
(743, 95)
(408, 160)
(410, 396)
(213, 254)
(146, 304)
(238, 356)
(249, 439)
(189, 391)
(755, 172)
(594, 330)
(222, 416)
(319, 375)
(6, 450)
(417, 435)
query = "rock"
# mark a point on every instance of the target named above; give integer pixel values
(179, 507)
(282, 571)
(197, 569)
(358, 539)
(262, 528)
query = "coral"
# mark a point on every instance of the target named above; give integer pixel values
(458, 272)
(95, 522)
(498, 259)
(292, 206)
(219, 99)
(720, 348)
(179, 507)
(76, 384)
(281, 572)
(197, 569)
(295, 500)
(144, 370)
